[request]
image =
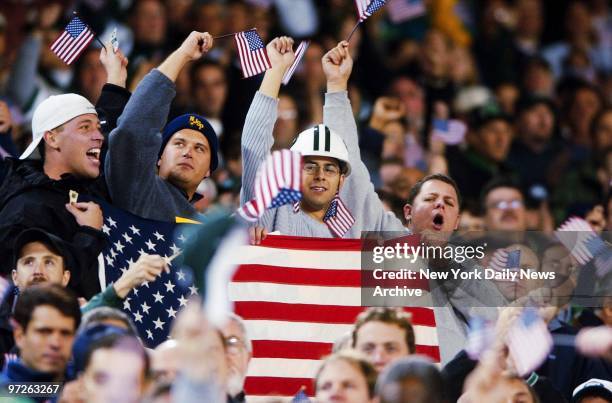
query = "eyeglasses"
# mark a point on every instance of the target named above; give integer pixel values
(234, 345)
(329, 170)
(507, 204)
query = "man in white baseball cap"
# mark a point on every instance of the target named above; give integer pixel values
(67, 139)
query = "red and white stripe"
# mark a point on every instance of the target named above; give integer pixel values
(68, 48)
(298, 296)
(281, 171)
(252, 62)
(299, 54)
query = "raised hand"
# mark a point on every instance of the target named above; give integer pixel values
(280, 52)
(386, 109)
(145, 269)
(115, 64)
(87, 213)
(196, 45)
(337, 66)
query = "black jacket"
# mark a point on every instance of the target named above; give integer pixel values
(29, 198)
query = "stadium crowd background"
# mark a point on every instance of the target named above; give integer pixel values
(532, 80)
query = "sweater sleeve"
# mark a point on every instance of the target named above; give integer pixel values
(111, 104)
(257, 140)
(358, 190)
(130, 165)
(108, 297)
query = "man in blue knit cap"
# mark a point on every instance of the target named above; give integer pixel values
(151, 174)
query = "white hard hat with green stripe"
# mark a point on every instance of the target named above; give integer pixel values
(320, 141)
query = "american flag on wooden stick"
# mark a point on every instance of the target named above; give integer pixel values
(366, 8)
(298, 296)
(277, 183)
(73, 40)
(252, 53)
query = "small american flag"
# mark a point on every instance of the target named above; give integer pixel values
(277, 183)
(152, 306)
(529, 342)
(299, 53)
(338, 217)
(75, 38)
(252, 52)
(481, 336)
(584, 244)
(504, 260)
(449, 131)
(300, 397)
(402, 10)
(366, 8)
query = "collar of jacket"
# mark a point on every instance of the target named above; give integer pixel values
(16, 371)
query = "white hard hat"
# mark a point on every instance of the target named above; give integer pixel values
(53, 112)
(320, 141)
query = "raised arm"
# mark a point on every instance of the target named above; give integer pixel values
(257, 137)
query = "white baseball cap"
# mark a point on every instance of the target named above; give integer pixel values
(53, 112)
(593, 387)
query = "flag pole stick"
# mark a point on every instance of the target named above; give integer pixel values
(353, 31)
(226, 35)
(95, 35)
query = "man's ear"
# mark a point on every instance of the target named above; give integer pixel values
(342, 178)
(408, 212)
(51, 140)
(65, 278)
(18, 333)
(14, 276)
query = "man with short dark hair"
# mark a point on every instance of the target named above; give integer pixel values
(489, 140)
(116, 368)
(209, 90)
(383, 335)
(46, 318)
(503, 204)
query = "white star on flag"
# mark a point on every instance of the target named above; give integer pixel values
(126, 304)
(149, 334)
(150, 245)
(193, 289)
(105, 229)
(182, 300)
(158, 297)
(158, 324)
(169, 286)
(171, 312)
(112, 222)
(159, 236)
(119, 246)
(127, 238)
(145, 307)
(175, 249)
(137, 317)
(181, 275)
(134, 230)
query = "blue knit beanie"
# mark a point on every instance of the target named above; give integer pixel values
(195, 122)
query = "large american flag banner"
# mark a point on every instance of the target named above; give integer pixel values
(252, 53)
(366, 8)
(298, 296)
(152, 306)
(73, 40)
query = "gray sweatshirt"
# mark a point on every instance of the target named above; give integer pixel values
(357, 193)
(131, 161)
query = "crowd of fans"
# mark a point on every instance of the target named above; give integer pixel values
(166, 126)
